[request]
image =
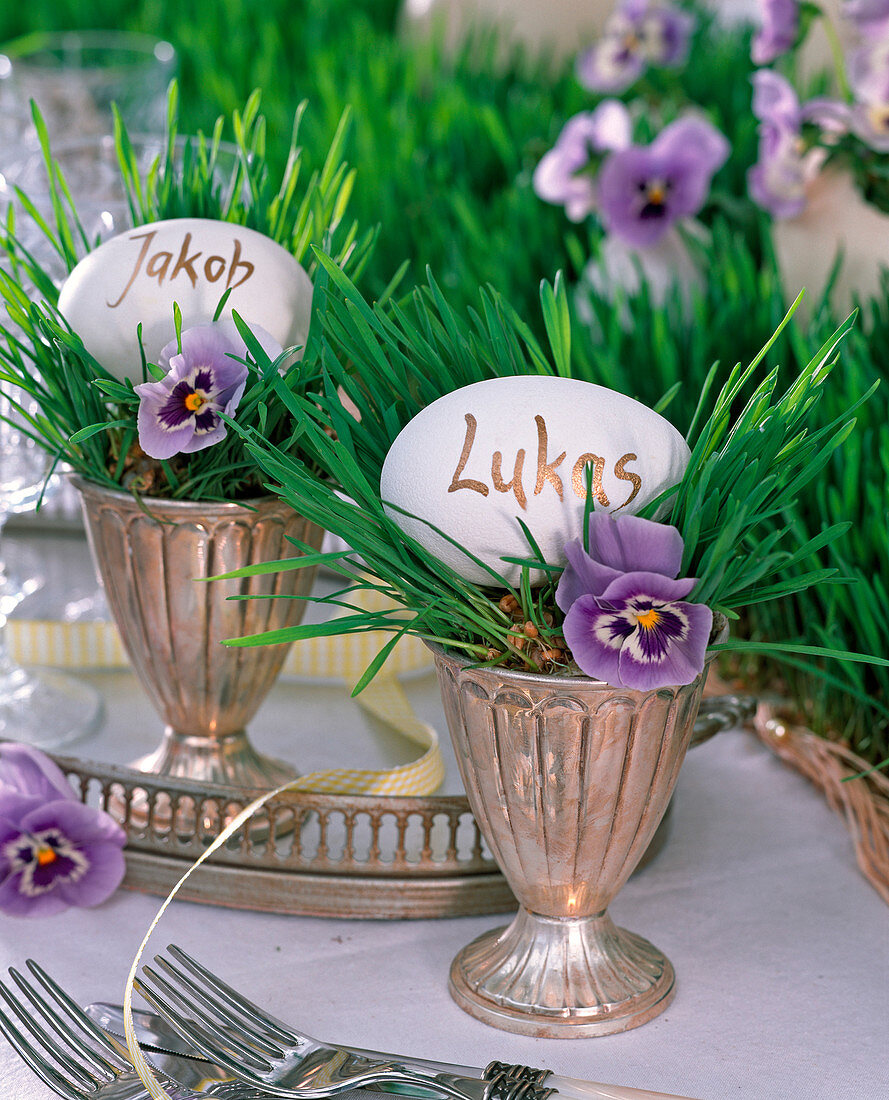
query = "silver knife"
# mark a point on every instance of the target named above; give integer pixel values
(154, 1033)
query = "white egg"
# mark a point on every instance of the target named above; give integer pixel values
(478, 460)
(137, 276)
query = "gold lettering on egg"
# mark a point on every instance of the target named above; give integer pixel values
(546, 471)
(577, 482)
(157, 264)
(627, 475)
(516, 484)
(467, 483)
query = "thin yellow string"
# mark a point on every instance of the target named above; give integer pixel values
(356, 781)
(385, 699)
(343, 658)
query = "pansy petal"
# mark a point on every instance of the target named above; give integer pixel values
(155, 440)
(673, 659)
(628, 586)
(200, 344)
(689, 186)
(774, 99)
(868, 70)
(229, 398)
(870, 122)
(695, 141)
(200, 440)
(554, 182)
(264, 338)
(76, 820)
(779, 30)
(630, 543)
(595, 637)
(610, 126)
(14, 903)
(14, 807)
(31, 772)
(581, 576)
(674, 29)
(609, 66)
(216, 341)
(831, 115)
(107, 867)
(778, 185)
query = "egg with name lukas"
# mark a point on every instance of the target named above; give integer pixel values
(137, 276)
(477, 460)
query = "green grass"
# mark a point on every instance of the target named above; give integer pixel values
(443, 152)
(85, 416)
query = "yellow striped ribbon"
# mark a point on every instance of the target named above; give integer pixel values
(91, 644)
(97, 645)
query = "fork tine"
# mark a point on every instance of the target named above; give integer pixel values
(212, 1041)
(281, 1031)
(78, 1062)
(112, 1059)
(45, 1070)
(246, 1029)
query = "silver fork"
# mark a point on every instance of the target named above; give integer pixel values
(70, 1054)
(267, 1053)
(264, 1052)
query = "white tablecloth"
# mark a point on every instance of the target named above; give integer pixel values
(780, 946)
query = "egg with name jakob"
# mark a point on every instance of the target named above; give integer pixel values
(137, 276)
(478, 460)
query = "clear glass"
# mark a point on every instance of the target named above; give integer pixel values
(92, 174)
(75, 76)
(40, 707)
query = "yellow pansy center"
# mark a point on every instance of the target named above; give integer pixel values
(45, 856)
(194, 402)
(648, 620)
(657, 192)
(878, 113)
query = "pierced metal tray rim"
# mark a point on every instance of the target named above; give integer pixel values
(236, 876)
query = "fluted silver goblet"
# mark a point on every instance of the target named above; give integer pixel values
(568, 779)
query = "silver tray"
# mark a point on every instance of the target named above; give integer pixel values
(323, 855)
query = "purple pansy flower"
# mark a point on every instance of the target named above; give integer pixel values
(868, 69)
(779, 180)
(626, 620)
(180, 413)
(564, 175)
(618, 545)
(778, 32)
(55, 852)
(640, 633)
(644, 189)
(869, 16)
(639, 33)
